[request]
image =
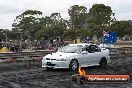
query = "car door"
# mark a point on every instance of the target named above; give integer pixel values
(96, 54)
(86, 57)
(82, 57)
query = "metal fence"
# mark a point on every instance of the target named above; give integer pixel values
(22, 55)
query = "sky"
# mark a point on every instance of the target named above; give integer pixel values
(9, 9)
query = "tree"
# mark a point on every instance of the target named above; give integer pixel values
(2, 34)
(77, 16)
(45, 22)
(99, 18)
(130, 30)
(57, 20)
(100, 15)
(28, 21)
(53, 25)
(122, 28)
(70, 34)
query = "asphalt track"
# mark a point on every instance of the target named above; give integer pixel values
(17, 75)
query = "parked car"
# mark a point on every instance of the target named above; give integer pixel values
(73, 55)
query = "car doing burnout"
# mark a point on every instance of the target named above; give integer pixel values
(74, 55)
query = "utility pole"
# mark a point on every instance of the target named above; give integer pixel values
(29, 41)
(21, 39)
(20, 31)
(6, 37)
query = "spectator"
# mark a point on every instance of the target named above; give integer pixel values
(12, 49)
(17, 48)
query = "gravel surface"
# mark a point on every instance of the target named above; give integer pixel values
(17, 75)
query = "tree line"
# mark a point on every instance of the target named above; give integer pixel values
(82, 22)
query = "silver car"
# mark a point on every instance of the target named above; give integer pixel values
(74, 55)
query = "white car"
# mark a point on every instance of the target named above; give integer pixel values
(74, 55)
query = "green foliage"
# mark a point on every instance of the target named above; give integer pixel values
(52, 25)
(122, 28)
(2, 34)
(9, 34)
(77, 16)
(31, 12)
(99, 18)
(27, 22)
(81, 23)
(130, 30)
(71, 34)
(100, 14)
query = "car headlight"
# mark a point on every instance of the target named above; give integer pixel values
(62, 59)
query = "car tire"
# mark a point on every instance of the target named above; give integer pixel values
(74, 65)
(103, 62)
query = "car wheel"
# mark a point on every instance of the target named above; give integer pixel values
(74, 65)
(103, 62)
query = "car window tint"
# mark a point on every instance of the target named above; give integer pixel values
(94, 48)
(86, 48)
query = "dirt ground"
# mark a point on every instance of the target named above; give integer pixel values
(17, 75)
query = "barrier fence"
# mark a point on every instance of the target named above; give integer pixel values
(24, 56)
(114, 52)
(37, 55)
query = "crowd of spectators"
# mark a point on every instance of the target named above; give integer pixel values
(15, 48)
(50, 44)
